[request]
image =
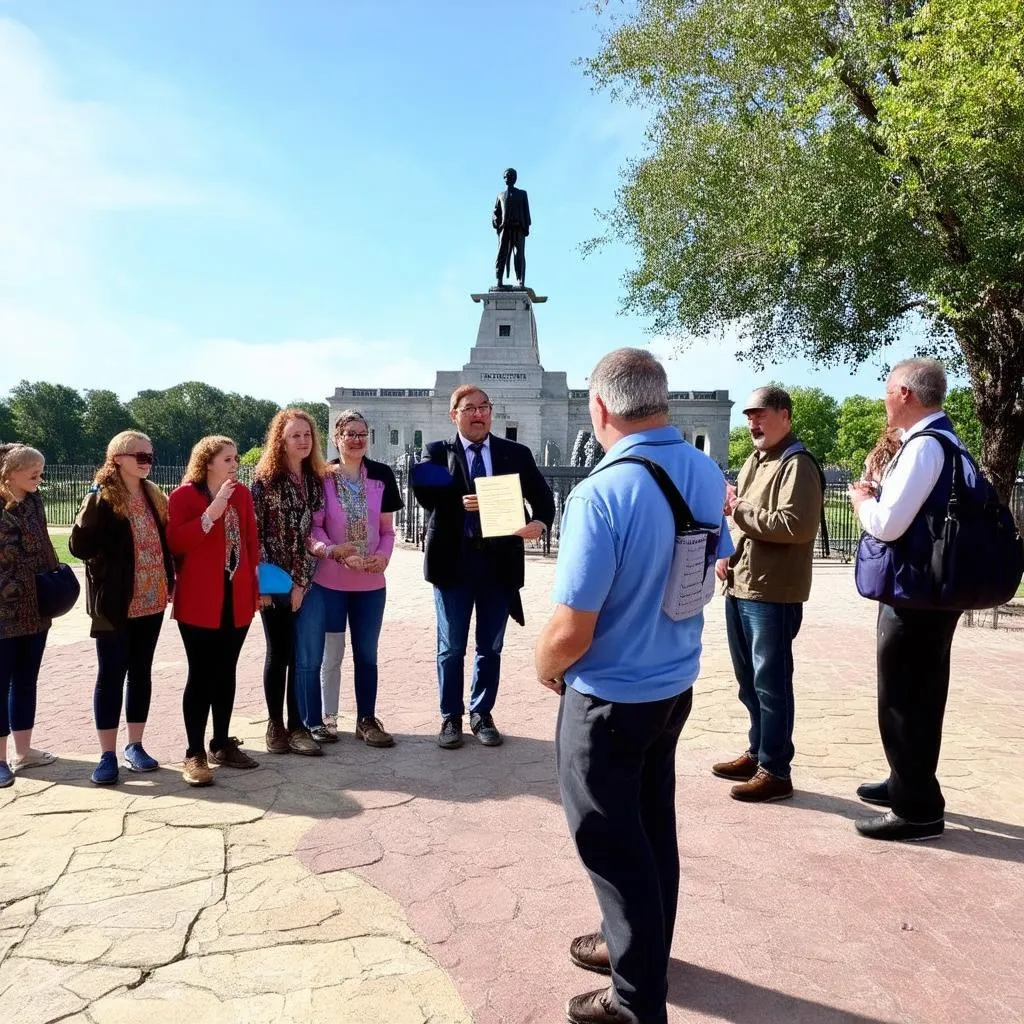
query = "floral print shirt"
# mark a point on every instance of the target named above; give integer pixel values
(149, 596)
(284, 517)
(25, 549)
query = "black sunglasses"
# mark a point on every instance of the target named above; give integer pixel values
(142, 458)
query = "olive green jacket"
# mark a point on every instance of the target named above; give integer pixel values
(774, 527)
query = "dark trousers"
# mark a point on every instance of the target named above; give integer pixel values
(616, 773)
(913, 683)
(279, 678)
(761, 635)
(212, 662)
(125, 653)
(478, 590)
(20, 658)
(512, 240)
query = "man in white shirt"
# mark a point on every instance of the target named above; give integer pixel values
(913, 643)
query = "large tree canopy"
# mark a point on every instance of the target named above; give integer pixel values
(824, 175)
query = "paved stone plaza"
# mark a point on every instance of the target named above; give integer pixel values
(421, 885)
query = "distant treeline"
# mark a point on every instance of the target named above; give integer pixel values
(73, 427)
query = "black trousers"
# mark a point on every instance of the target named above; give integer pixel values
(616, 773)
(513, 241)
(127, 653)
(212, 663)
(279, 680)
(913, 683)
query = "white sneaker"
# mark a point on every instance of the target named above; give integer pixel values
(32, 759)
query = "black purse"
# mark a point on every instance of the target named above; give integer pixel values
(57, 591)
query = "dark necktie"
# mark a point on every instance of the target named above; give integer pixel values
(476, 468)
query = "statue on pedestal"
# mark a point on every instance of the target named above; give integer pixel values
(511, 220)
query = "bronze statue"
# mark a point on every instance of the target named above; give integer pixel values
(512, 222)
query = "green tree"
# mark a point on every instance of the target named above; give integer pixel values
(252, 456)
(740, 446)
(104, 416)
(6, 422)
(247, 419)
(959, 406)
(861, 424)
(815, 421)
(818, 173)
(49, 417)
(178, 417)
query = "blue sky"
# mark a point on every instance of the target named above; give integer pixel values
(283, 198)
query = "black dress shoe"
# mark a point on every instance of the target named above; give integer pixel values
(450, 735)
(874, 793)
(591, 953)
(485, 730)
(892, 827)
(599, 1007)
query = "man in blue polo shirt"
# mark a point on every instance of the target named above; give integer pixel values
(625, 671)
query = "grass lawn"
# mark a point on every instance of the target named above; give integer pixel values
(1020, 590)
(60, 545)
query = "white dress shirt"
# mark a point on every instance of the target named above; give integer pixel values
(907, 482)
(486, 453)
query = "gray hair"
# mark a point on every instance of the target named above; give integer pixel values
(344, 419)
(926, 378)
(631, 383)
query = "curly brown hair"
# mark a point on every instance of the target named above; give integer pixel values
(203, 453)
(273, 464)
(111, 483)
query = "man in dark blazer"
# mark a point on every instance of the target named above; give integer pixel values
(511, 220)
(468, 571)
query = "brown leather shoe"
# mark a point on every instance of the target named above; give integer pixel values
(762, 789)
(300, 742)
(371, 732)
(741, 770)
(231, 757)
(196, 772)
(600, 1007)
(277, 738)
(591, 953)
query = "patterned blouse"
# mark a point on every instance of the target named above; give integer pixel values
(352, 496)
(149, 596)
(284, 517)
(25, 549)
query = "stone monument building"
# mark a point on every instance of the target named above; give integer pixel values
(533, 406)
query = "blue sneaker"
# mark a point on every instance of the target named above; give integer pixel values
(138, 760)
(6, 775)
(106, 772)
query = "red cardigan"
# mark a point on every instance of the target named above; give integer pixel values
(199, 558)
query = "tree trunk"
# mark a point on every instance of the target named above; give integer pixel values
(991, 337)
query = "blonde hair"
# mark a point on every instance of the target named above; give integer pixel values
(204, 451)
(273, 464)
(112, 486)
(12, 458)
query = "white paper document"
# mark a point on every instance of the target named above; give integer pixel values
(501, 505)
(691, 579)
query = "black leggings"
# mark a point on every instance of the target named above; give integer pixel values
(212, 661)
(279, 667)
(120, 653)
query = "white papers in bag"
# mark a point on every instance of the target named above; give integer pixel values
(691, 579)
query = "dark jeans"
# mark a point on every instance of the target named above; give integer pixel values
(20, 658)
(125, 652)
(913, 682)
(279, 663)
(212, 662)
(761, 637)
(329, 611)
(454, 606)
(616, 772)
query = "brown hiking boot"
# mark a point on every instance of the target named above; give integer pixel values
(231, 757)
(371, 732)
(762, 788)
(196, 772)
(591, 953)
(300, 742)
(277, 738)
(740, 770)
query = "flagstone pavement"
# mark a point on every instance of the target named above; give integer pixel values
(421, 886)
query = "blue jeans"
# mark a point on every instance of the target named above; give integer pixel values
(20, 658)
(454, 606)
(761, 637)
(326, 611)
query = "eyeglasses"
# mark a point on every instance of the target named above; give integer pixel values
(142, 458)
(472, 410)
(355, 437)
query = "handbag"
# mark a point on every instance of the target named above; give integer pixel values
(57, 591)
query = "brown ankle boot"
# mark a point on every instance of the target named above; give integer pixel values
(591, 953)
(762, 788)
(740, 770)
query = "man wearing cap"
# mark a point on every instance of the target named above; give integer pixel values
(775, 509)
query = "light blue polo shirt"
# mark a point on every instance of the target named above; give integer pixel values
(614, 553)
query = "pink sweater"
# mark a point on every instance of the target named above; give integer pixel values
(330, 527)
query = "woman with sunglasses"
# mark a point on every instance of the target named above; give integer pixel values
(353, 536)
(120, 535)
(211, 530)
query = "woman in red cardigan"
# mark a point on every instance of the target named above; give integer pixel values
(211, 529)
